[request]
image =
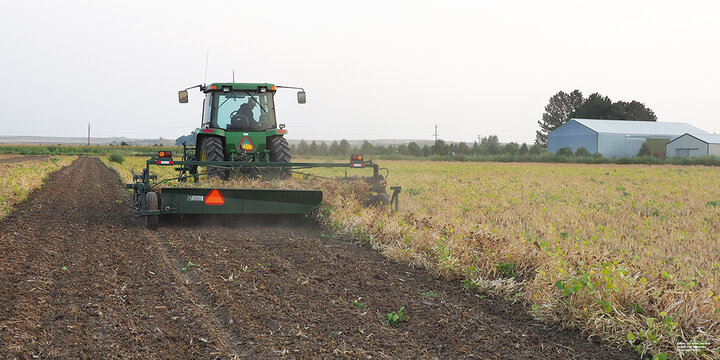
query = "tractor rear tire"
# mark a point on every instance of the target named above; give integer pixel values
(279, 149)
(280, 152)
(151, 200)
(212, 150)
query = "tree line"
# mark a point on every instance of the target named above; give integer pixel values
(489, 145)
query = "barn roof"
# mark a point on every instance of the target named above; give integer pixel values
(639, 127)
(706, 138)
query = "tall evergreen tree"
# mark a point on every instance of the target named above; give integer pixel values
(367, 148)
(344, 148)
(413, 149)
(334, 149)
(440, 148)
(557, 113)
(303, 148)
(313, 148)
(323, 149)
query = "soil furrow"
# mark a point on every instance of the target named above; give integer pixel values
(196, 292)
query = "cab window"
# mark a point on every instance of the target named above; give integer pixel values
(244, 111)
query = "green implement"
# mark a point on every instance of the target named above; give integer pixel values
(153, 200)
(238, 201)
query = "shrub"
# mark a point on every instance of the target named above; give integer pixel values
(566, 151)
(116, 158)
(582, 152)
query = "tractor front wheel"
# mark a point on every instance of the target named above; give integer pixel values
(212, 150)
(151, 200)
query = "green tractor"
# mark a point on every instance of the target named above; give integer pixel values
(238, 124)
(240, 135)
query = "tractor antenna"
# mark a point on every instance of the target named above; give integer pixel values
(233, 75)
(207, 59)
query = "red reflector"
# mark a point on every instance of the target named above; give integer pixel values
(282, 131)
(208, 130)
(214, 198)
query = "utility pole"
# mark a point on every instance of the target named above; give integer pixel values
(436, 133)
(88, 134)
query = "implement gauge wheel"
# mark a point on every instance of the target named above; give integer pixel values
(151, 221)
(380, 199)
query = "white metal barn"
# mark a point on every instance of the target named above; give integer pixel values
(614, 138)
(692, 145)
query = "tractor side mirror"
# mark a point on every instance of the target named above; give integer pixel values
(183, 96)
(301, 97)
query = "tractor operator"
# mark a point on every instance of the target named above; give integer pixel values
(244, 117)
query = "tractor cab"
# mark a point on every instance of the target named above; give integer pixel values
(239, 107)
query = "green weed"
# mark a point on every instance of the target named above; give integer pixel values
(395, 318)
(359, 305)
(508, 270)
(188, 266)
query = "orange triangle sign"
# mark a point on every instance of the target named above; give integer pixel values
(246, 144)
(214, 198)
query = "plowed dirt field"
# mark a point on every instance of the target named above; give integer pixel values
(80, 277)
(20, 158)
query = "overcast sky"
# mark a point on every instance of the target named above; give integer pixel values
(372, 70)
